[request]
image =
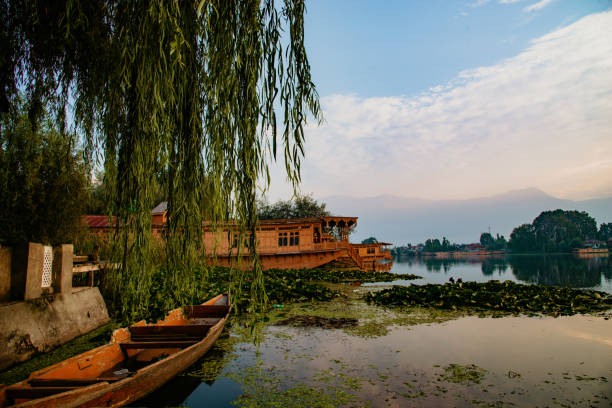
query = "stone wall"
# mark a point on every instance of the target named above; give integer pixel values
(39, 325)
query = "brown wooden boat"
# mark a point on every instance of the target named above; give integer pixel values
(137, 360)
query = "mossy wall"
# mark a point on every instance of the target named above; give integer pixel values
(31, 327)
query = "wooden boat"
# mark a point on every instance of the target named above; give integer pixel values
(137, 360)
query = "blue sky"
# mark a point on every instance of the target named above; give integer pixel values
(459, 99)
(404, 47)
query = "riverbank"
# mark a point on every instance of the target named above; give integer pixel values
(502, 253)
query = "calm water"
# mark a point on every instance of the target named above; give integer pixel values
(462, 362)
(518, 361)
(559, 270)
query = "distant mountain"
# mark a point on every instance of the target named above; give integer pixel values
(400, 220)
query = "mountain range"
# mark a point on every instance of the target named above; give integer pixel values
(400, 220)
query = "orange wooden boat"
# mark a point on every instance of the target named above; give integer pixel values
(137, 360)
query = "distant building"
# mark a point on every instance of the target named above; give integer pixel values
(590, 250)
(474, 247)
(594, 243)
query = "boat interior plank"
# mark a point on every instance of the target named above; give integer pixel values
(156, 344)
(207, 311)
(179, 330)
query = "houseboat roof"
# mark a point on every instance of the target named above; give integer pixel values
(99, 221)
(330, 221)
(160, 208)
(102, 221)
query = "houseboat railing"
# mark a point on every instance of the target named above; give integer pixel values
(84, 264)
(325, 245)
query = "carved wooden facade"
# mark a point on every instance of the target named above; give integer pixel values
(284, 244)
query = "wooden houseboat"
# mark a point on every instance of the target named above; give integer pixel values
(283, 243)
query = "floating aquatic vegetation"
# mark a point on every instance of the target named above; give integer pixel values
(513, 374)
(317, 321)
(494, 296)
(339, 275)
(261, 388)
(372, 321)
(462, 374)
(217, 358)
(370, 329)
(281, 285)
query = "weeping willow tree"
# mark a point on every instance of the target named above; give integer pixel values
(187, 89)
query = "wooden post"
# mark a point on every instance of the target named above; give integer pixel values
(62, 268)
(26, 271)
(95, 258)
(5, 274)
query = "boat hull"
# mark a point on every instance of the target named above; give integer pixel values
(130, 389)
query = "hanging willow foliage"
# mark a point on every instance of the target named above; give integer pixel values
(183, 91)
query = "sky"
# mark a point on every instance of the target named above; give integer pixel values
(443, 99)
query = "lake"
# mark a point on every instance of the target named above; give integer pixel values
(557, 270)
(414, 357)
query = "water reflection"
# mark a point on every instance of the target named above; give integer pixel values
(561, 271)
(172, 394)
(197, 378)
(409, 366)
(556, 270)
(490, 266)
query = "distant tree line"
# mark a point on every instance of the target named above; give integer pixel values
(434, 245)
(551, 231)
(558, 231)
(496, 243)
(400, 252)
(301, 206)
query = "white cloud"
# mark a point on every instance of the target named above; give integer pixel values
(479, 3)
(537, 6)
(534, 7)
(542, 118)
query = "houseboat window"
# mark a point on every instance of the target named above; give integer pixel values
(235, 242)
(371, 250)
(282, 239)
(294, 238)
(248, 241)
